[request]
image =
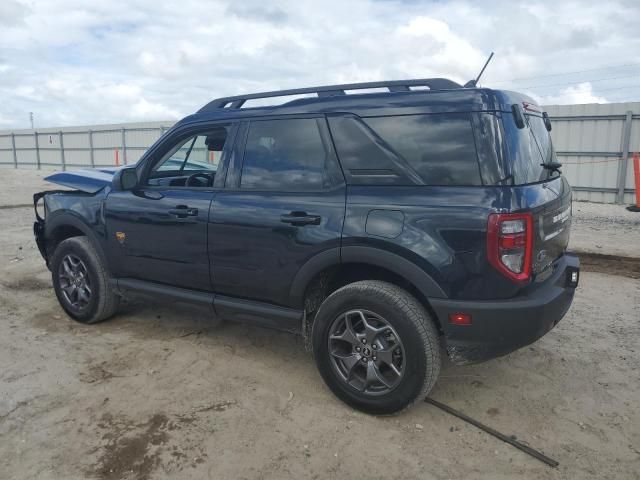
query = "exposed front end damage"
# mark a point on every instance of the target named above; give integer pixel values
(57, 203)
(39, 224)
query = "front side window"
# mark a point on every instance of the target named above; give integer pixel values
(201, 152)
(285, 155)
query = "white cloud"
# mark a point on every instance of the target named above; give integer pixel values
(582, 93)
(78, 62)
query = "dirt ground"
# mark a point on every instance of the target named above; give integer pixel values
(160, 391)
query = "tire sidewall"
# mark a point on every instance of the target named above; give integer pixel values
(80, 249)
(415, 355)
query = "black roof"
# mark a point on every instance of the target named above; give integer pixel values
(433, 95)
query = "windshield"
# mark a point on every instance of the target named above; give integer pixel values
(529, 148)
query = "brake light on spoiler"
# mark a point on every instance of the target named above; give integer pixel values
(510, 244)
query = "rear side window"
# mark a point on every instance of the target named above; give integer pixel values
(440, 148)
(366, 159)
(285, 155)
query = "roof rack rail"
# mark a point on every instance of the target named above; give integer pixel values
(334, 90)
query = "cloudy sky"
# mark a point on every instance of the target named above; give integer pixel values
(74, 62)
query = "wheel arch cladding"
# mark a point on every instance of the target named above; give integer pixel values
(62, 225)
(361, 263)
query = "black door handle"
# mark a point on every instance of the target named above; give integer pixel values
(182, 211)
(299, 219)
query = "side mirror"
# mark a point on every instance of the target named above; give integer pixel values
(547, 121)
(125, 179)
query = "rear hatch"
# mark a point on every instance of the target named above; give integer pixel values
(547, 193)
(552, 223)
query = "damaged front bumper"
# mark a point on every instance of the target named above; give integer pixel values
(38, 226)
(38, 231)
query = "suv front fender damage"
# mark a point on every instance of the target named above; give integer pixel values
(65, 208)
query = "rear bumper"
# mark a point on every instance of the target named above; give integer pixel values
(502, 326)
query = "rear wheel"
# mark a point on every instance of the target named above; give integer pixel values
(81, 282)
(376, 347)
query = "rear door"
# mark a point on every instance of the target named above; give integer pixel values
(283, 203)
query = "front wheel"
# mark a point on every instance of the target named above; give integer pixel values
(376, 347)
(81, 281)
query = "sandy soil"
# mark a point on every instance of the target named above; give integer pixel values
(605, 229)
(160, 391)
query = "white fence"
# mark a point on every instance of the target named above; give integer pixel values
(594, 142)
(73, 147)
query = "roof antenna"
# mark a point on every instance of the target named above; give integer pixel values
(474, 83)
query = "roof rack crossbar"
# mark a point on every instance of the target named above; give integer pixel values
(333, 90)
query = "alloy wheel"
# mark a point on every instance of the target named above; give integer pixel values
(74, 281)
(366, 352)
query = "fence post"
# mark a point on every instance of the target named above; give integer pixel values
(622, 166)
(124, 147)
(35, 136)
(13, 146)
(64, 164)
(91, 157)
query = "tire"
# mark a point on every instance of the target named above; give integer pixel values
(74, 261)
(408, 344)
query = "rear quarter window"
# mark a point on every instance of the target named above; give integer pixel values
(440, 148)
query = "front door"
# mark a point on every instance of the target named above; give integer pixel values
(158, 230)
(283, 203)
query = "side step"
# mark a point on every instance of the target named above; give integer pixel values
(228, 308)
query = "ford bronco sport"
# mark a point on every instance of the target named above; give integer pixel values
(381, 224)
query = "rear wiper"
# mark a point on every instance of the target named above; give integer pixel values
(553, 166)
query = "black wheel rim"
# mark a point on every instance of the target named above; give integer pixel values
(75, 284)
(366, 352)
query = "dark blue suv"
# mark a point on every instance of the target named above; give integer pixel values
(383, 221)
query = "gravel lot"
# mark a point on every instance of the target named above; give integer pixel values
(160, 391)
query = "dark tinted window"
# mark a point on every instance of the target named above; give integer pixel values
(365, 158)
(439, 147)
(529, 147)
(543, 138)
(489, 137)
(286, 155)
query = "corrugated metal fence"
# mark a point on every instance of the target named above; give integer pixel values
(594, 142)
(73, 147)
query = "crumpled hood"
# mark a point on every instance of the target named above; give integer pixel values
(89, 180)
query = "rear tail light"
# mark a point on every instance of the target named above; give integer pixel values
(510, 244)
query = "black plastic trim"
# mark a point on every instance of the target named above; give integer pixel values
(396, 264)
(502, 326)
(152, 288)
(228, 308)
(258, 313)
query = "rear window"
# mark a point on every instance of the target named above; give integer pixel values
(529, 148)
(440, 148)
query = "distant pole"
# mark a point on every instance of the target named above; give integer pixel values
(31, 119)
